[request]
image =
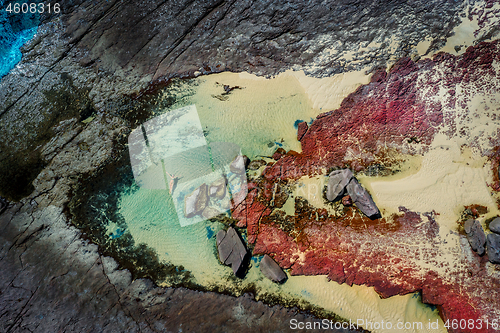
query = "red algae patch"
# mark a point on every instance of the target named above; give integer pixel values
(415, 246)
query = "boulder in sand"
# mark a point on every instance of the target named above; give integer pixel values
(256, 164)
(362, 199)
(337, 182)
(239, 164)
(493, 245)
(271, 269)
(231, 250)
(495, 225)
(475, 235)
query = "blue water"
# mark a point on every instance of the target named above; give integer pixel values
(15, 31)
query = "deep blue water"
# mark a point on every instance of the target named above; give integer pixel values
(15, 31)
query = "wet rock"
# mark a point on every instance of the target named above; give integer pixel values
(475, 235)
(196, 202)
(256, 164)
(495, 225)
(493, 245)
(271, 269)
(362, 199)
(337, 182)
(231, 250)
(301, 130)
(239, 164)
(218, 188)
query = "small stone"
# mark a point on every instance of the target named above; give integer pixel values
(218, 188)
(239, 164)
(231, 250)
(347, 201)
(362, 199)
(337, 182)
(255, 165)
(495, 225)
(271, 269)
(196, 202)
(493, 245)
(475, 235)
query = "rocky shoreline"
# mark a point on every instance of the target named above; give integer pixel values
(91, 75)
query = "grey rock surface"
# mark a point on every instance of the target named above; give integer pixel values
(232, 252)
(475, 235)
(493, 245)
(98, 53)
(337, 183)
(495, 225)
(76, 289)
(362, 199)
(271, 269)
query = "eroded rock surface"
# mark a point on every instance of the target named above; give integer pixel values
(77, 289)
(394, 107)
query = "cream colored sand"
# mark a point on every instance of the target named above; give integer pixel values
(272, 105)
(449, 178)
(260, 125)
(327, 93)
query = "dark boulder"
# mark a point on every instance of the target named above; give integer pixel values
(475, 235)
(231, 250)
(271, 269)
(362, 199)
(493, 245)
(495, 225)
(337, 182)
